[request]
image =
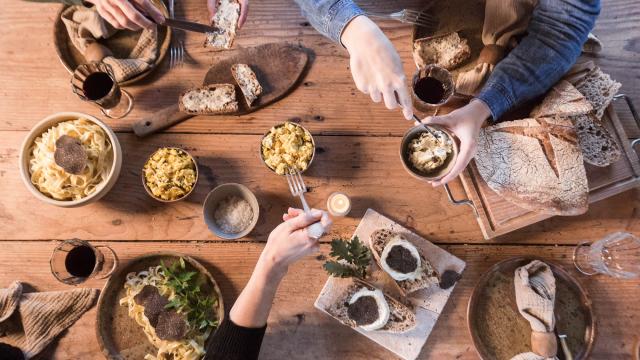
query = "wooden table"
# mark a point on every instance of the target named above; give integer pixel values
(357, 153)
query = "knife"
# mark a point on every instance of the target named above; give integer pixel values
(179, 24)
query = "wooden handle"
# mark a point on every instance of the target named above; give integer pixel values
(544, 344)
(162, 119)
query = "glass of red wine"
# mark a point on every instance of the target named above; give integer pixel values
(75, 261)
(95, 82)
(431, 87)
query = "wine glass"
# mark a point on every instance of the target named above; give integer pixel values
(616, 255)
(95, 82)
(75, 261)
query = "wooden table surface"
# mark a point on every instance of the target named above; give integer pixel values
(357, 153)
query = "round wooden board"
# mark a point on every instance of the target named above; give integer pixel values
(121, 44)
(498, 330)
(119, 336)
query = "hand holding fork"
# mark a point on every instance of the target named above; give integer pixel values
(298, 188)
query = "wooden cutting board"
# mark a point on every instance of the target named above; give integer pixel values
(278, 67)
(497, 216)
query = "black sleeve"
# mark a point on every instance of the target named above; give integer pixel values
(233, 342)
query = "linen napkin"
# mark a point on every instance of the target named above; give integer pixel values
(503, 21)
(84, 26)
(30, 321)
(535, 288)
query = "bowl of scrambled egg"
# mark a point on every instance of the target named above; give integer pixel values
(428, 157)
(170, 174)
(287, 147)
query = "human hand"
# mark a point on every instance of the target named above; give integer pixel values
(212, 5)
(375, 65)
(122, 14)
(465, 123)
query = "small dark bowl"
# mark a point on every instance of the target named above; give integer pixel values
(144, 181)
(437, 173)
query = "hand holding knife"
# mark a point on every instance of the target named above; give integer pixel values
(178, 24)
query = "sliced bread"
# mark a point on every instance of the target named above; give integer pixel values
(599, 89)
(401, 318)
(562, 100)
(226, 21)
(536, 164)
(429, 276)
(448, 51)
(248, 82)
(599, 148)
(209, 100)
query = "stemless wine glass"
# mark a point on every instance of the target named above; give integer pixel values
(75, 261)
(616, 255)
(95, 82)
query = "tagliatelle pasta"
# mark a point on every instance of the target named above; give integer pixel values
(52, 180)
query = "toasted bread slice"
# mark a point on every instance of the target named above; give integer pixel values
(209, 100)
(599, 89)
(226, 21)
(430, 276)
(401, 318)
(598, 147)
(448, 51)
(248, 82)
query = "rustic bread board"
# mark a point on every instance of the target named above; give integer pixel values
(429, 303)
(497, 216)
(278, 67)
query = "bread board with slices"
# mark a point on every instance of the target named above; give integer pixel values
(498, 216)
(428, 303)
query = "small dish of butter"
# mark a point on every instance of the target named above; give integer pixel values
(428, 155)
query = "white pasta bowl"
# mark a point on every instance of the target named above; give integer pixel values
(219, 194)
(51, 121)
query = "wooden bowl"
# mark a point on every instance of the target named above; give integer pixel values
(498, 330)
(313, 142)
(437, 173)
(120, 44)
(44, 125)
(220, 193)
(119, 336)
(150, 193)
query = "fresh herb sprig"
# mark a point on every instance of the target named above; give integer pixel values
(352, 258)
(189, 298)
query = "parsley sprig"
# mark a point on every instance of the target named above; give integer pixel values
(189, 298)
(352, 258)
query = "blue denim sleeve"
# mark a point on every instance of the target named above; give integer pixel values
(556, 33)
(329, 17)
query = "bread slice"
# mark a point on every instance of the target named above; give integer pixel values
(226, 21)
(562, 100)
(599, 148)
(430, 276)
(209, 100)
(536, 164)
(448, 51)
(401, 318)
(248, 82)
(599, 89)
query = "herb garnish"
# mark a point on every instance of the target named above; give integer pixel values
(352, 258)
(189, 300)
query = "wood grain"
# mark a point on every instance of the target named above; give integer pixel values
(295, 325)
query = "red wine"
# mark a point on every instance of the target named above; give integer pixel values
(429, 90)
(80, 261)
(97, 85)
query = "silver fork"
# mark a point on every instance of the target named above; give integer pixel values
(409, 16)
(176, 52)
(298, 188)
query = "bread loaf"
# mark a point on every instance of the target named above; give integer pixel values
(226, 21)
(563, 100)
(599, 148)
(599, 89)
(248, 82)
(447, 51)
(209, 100)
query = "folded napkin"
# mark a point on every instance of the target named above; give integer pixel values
(84, 26)
(535, 288)
(30, 321)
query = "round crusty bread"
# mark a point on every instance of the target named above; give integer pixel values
(562, 100)
(379, 239)
(401, 317)
(599, 148)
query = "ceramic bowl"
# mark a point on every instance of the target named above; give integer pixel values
(146, 187)
(51, 121)
(222, 192)
(313, 142)
(437, 173)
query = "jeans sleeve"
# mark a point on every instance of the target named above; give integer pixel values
(556, 33)
(329, 17)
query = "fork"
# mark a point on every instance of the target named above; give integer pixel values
(298, 188)
(409, 16)
(176, 52)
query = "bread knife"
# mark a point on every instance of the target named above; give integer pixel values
(179, 24)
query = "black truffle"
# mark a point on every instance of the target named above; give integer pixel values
(154, 303)
(363, 311)
(171, 326)
(70, 155)
(449, 278)
(402, 260)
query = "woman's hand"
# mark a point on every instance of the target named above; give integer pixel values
(465, 123)
(212, 5)
(122, 14)
(375, 65)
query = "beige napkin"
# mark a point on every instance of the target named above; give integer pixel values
(30, 321)
(535, 288)
(503, 20)
(84, 26)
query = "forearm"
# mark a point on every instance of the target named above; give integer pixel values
(329, 17)
(557, 30)
(66, 2)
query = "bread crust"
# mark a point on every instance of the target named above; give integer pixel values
(251, 89)
(599, 89)
(598, 147)
(448, 51)
(229, 109)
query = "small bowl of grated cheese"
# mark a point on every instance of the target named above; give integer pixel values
(231, 211)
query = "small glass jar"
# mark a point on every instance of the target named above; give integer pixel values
(338, 204)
